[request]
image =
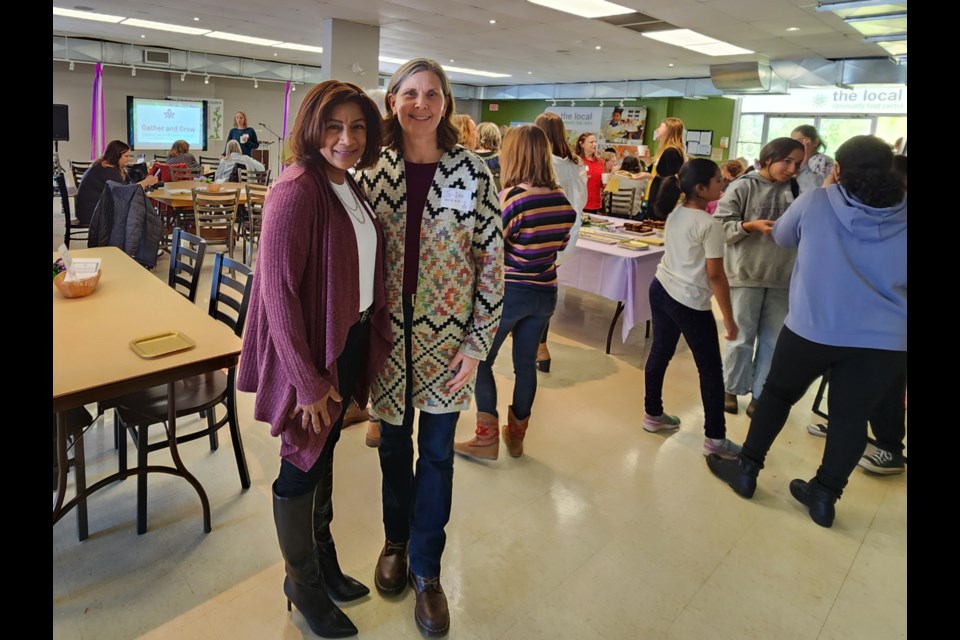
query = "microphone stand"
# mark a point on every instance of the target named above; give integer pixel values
(279, 141)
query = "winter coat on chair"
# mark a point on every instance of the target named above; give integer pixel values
(124, 218)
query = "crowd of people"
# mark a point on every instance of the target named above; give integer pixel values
(401, 248)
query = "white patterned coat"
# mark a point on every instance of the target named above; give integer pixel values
(460, 284)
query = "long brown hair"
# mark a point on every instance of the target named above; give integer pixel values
(308, 133)
(525, 158)
(447, 132)
(111, 155)
(179, 147)
(552, 125)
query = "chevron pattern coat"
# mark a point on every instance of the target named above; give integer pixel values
(460, 286)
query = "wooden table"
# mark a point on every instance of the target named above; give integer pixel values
(186, 199)
(92, 359)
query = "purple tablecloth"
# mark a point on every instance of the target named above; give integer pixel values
(619, 274)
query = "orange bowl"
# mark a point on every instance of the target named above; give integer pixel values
(213, 187)
(77, 288)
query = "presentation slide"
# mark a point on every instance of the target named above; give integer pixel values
(156, 124)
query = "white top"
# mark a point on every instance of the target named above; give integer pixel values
(361, 217)
(690, 237)
(573, 180)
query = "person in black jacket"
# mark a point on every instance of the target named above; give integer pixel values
(112, 165)
(670, 157)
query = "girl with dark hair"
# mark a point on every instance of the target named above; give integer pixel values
(112, 165)
(587, 151)
(816, 166)
(689, 273)
(537, 218)
(848, 316)
(757, 268)
(318, 331)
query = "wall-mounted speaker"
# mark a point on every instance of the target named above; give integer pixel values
(61, 122)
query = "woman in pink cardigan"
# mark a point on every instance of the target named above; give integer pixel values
(318, 331)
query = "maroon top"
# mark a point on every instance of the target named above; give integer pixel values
(304, 300)
(419, 178)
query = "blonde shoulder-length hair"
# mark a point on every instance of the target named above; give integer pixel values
(525, 158)
(673, 138)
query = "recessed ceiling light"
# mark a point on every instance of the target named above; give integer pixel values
(221, 35)
(85, 15)
(472, 72)
(597, 47)
(696, 42)
(196, 19)
(793, 28)
(529, 73)
(299, 47)
(163, 26)
(670, 65)
(275, 54)
(452, 60)
(585, 8)
(493, 22)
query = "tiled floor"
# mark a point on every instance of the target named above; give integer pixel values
(601, 530)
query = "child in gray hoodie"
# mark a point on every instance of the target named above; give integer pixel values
(757, 268)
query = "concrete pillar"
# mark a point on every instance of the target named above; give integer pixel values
(350, 52)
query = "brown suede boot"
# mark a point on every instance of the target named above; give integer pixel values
(514, 432)
(373, 433)
(485, 445)
(355, 414)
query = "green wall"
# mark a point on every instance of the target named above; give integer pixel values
(715, 114)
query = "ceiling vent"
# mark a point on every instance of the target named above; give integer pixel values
(156, 57)
(638, 22)
(741, 77)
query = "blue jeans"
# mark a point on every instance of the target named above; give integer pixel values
(759, 313)
(526, 314)
(670, 320)
(416, 506)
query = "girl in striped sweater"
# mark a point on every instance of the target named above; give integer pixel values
(537, 218)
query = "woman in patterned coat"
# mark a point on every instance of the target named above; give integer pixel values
(444, 240)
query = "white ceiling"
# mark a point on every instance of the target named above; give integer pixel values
(524, 41)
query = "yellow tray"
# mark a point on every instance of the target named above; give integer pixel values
(161, 344)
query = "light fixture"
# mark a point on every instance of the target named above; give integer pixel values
(573, 103)
(670, 65)
(452, 60)
(472, 72)
(793, 28)
(133, 71)
(554, 103)
(893, 37)
(86, 15)
(206, 79)
(601, 104)
(163, 26)
(143, 35)
(299, 47)
(222, 35)
(71, 65)
(293, 87)
(879, 16)
(696, 42)
(196, 19)
(585, 8)
(855, 4)
(621, 104)
(493, 22)
(275, 54)
(255, 84)
(183, 77)
(529, 73)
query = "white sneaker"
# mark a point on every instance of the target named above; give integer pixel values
(723, 447)
(660, 423)
(819, 429)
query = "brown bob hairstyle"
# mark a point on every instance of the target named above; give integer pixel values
(447, 132)
(552, 125)
(309, 130)
(525, 158)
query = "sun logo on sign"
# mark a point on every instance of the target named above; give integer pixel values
(819, 101)
(168, 113)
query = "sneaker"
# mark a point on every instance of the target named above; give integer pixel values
(882, 462)
(660, 423)
(819, 429)
(722, 447)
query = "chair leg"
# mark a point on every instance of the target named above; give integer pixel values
(142, 444)
(120, 439)
(211, 422)
(80, 469)
(231, 403)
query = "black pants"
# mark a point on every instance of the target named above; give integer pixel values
(291, 481)
(888, 419)
(859, 378)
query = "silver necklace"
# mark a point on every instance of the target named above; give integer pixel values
(361, 219)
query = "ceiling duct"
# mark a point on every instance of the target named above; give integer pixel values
(871, 71)
(741, 77)
(807, 72)
(156, 57)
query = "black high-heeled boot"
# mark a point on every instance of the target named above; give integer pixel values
(819, 500)
(340, 587)
(741, 473)
(302, 584)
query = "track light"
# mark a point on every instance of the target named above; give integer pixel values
(573, 103)
(255, 85)
(133, 71)
(183, 77)
(601, 104)
(71, 65)
(554, 103)
(206, 79)
(621, 104)
(293, 87)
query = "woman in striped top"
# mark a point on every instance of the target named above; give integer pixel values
(537, 218)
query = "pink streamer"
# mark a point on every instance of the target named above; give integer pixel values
(283, 132)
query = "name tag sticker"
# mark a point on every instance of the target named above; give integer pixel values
(459, 199)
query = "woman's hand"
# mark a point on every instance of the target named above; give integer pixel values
(761, 226)
(832, 177)
(467, 366)
(731, 328)
(244, 138)
(148, 181)
(316, 414)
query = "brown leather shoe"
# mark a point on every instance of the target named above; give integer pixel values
(373, 433)
(390, 575)
(514, 432)
(431, 614)
(355, 414)
(485, 445)
(730, 404)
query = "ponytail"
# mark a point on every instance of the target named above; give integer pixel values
(667, 196)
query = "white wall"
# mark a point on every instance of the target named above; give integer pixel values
(74, 88)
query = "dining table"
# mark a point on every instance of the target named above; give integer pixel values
(94, 338)
(179, 194)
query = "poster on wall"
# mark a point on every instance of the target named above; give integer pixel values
(623, 125)
(214, 119)
(577, 120)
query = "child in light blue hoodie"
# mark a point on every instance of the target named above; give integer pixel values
(848, 317)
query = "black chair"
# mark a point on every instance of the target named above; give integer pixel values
(229, 298)
(76, 420)
(158, 157)
(210, 161)
(73, 229)
(186, 260)
(77, 169)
